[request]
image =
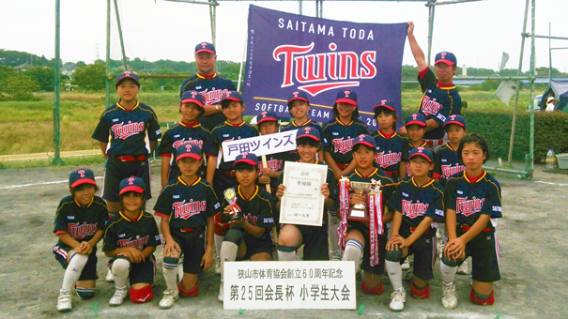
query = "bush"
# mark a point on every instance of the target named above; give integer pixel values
(91, 77)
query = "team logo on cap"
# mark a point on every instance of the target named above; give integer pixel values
(81, 173)
(361, 137)
(263, 114)
(383, 102)
(131, 181)
(193, 94)
(203, 45)
(414, 116)
(346, 92)
(127, 73)
(296, 94)
(443, 55)
(420, 149)
(307, 129)
(244, 155)
(326, 70)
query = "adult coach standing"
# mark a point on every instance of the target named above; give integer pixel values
(208, 84)
(441, 98)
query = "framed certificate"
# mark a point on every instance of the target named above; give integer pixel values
(303, 202)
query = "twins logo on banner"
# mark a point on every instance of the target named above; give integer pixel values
(288, 52)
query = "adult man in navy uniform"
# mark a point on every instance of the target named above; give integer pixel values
(209, 84)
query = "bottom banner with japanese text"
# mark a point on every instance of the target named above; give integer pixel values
(290, 285)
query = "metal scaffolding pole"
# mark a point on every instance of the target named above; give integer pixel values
(213, 18)
(533, 73)
(107, 76)
(120, 35)
(56, 89)
(431, 11)
(515, 110)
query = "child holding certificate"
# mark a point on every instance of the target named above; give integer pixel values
(314, 238)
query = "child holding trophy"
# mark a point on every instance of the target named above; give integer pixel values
(249, 215)
(361, 230)
(417, 202)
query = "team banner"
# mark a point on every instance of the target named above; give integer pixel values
(288, 52)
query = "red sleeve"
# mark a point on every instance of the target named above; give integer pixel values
(436, 175)
(422, 73)
(60, 232)
(161, 215)
(168, 155)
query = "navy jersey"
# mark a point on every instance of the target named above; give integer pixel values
(389, 151)
(81, 223)
(182, 134)
(406, 147)
(128, 132)
(187, 206)
(293, 155)
(274, 162)
(437, 103)
(330, 180)
(416, 202)
(123, 232)
(212, 90)
(338, 139)
(447, 164)
(258, 211)
(470, 200)
(228, 132)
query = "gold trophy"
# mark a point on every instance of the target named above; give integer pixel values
(231, 198)
(360, 212)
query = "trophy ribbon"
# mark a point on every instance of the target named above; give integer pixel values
(343, 211)
(373, 236)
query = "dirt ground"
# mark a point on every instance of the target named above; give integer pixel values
(531, 233)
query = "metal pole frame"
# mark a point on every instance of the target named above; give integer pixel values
(57, 88)
(120, 35)
(108, 73)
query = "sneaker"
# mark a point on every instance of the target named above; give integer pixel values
(398, 298)
(449, 295)
(221, 296)
(218, 265)
(406, 264)
(170, 296)
(463, 269)
(64, 301)
(336, 255)
(119, 296)
(109, 277)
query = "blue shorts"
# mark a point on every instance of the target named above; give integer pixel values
(116, 171)
(143, 272)
(89, 272)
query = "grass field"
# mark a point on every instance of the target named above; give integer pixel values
(27, 126)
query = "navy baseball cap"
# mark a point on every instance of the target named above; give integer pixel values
(231, 96)
(346, 96)
(127, 75)
(205, 47)
(192, 97)
(81, 176)
(132, 184)
(366, 140)
(246, 158)
(446, 57)
(387, 104)
(308, 131)
(266, 116)
(188, 150)
(416, 118)
(455, 119)
(421, 151)
(298, 96)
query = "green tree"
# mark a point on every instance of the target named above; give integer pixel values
(43, 76)
(16, 85)
(91, 77)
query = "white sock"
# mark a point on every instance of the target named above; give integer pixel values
(286, 255)
(448, 273)
(170, 277)
(394, 270)
(229, 251)
(74, 270)
(332, 224)
(353, 251)
(120, 270)
(218, 243)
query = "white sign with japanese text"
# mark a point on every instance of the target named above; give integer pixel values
(303, 202)
(260, 145)
(290, 285)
